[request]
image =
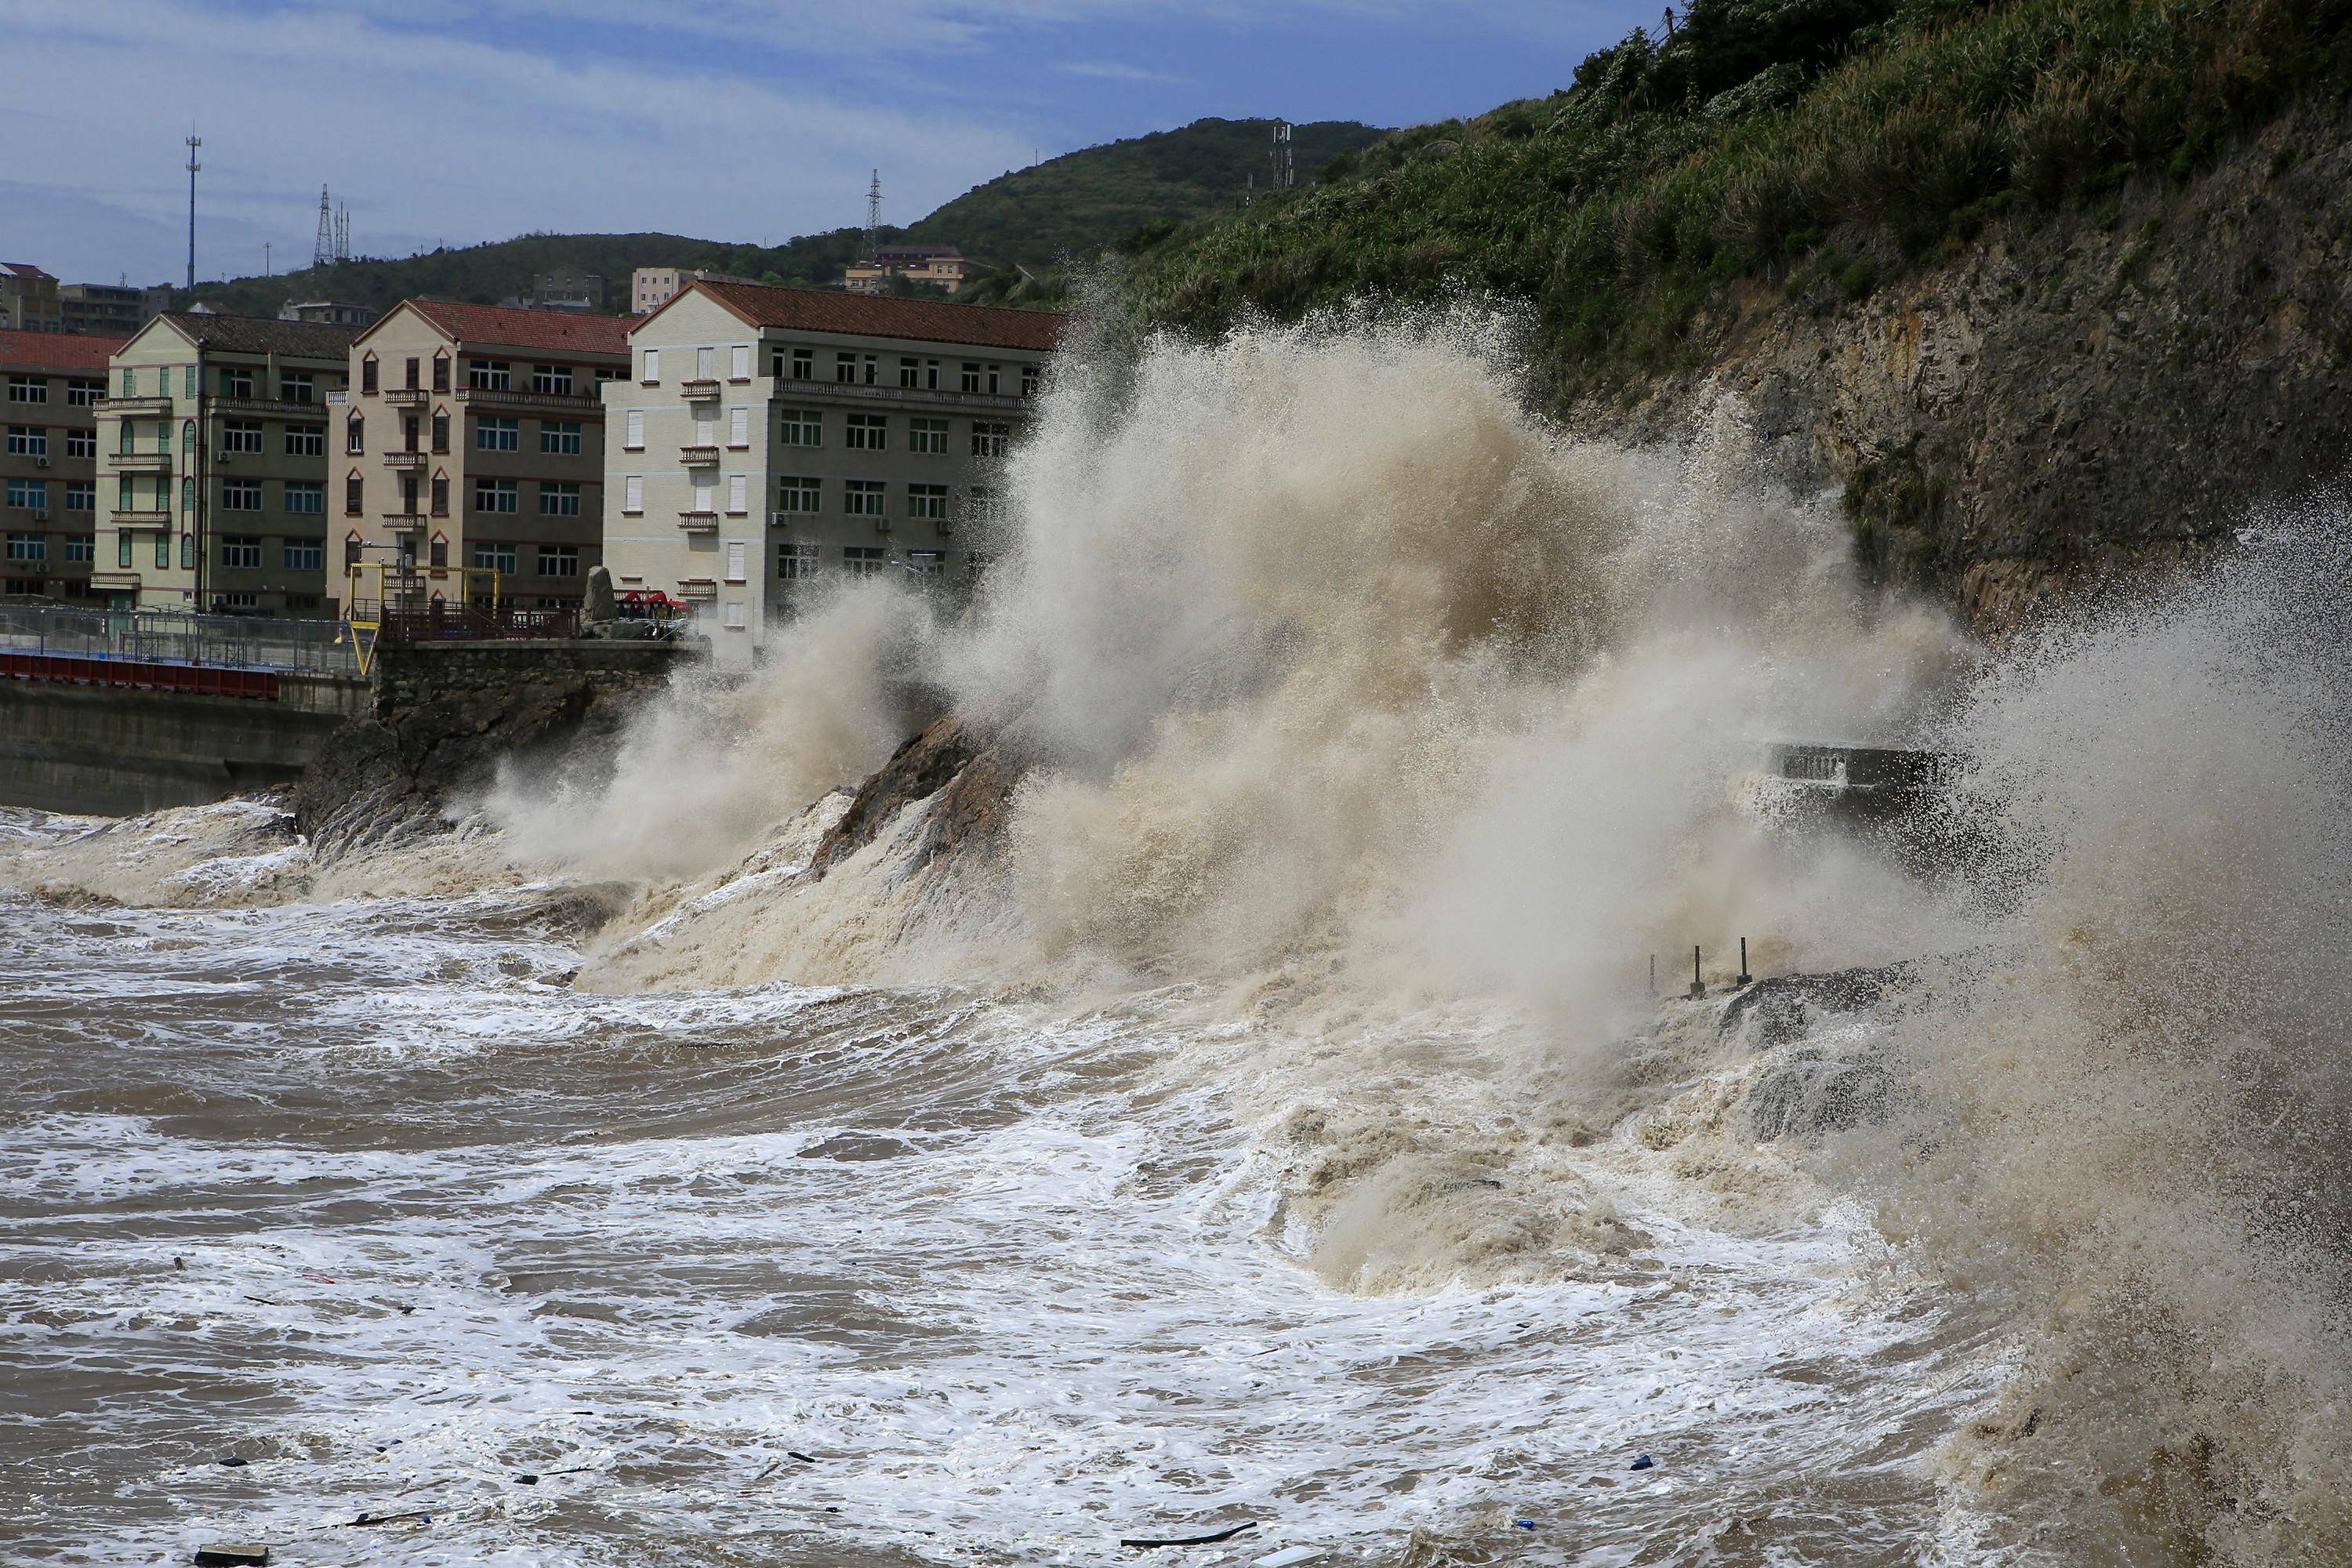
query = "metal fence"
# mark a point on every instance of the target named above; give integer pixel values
(231, 642)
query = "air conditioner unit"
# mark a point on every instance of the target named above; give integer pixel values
(40, 515)
(40, 462)
(782, 520)
(881, 525)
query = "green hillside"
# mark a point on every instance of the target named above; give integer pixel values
(1083, 200)
(1810, 150)
(1077, 203)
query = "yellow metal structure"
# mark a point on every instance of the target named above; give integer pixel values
(364, 615)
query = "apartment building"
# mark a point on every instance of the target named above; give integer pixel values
(942, 267)
(49, 469)
(767, 437)
(473, 443)
(28, 300)
(110, 309)
(333, 312)
(651, 288)
(212, 438)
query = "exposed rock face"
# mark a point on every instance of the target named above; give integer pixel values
(2079, 393)
(976, 773)
(1811, 1090)
(443, 717)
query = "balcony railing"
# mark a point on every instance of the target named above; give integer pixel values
(995, 401)
(140, 462)
(284, 408)
(407, 397)
(699, 522)
(699, 457)
(510, 397)
(407, 461)
(404, 522)
(158, 404)
(142, 520)
(701, 389)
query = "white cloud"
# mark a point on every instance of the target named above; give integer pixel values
(1116, 71)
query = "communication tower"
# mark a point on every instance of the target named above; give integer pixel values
(323, 251)
(1281, 156)
(194, 142)
(873, 217)
(343, 232)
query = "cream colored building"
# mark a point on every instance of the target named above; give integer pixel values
(941, 266)
(473, 438)
(212, 460)
(651, 288)
(767, 437)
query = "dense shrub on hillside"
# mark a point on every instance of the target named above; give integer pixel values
(1814, 146)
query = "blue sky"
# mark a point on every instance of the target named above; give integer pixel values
(451, 121)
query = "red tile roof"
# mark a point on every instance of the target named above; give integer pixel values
(551, 330)
(879, 316)
(58, 351)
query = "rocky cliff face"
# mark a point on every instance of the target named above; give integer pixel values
(2079, 395)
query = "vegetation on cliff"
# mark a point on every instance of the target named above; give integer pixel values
(1806, 150)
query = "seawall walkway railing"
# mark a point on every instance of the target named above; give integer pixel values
(163, 638)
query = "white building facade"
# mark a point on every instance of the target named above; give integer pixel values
(768, 438)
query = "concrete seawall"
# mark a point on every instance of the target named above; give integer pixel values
(113, 750)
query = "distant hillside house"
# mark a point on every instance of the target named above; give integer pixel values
(651, 288)
(328, 312)
(940, 266)
(108, 310)
(28, 300)
(564, 288)
(770, 438)
(473, 454)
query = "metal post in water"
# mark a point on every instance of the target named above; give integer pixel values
(1744, 978)
(1653, 974)
(1698, 986)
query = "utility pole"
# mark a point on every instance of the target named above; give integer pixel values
(265, 258)
(873, 217)
(194, 142)
(1281, 156)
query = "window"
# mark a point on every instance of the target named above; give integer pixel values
(28, 441)
(440, 432)
(408, 374)
(633, 437)
(864, 497)
(558, 561)
(33, 495)
(241, 435)
(440, 495)
(931, 375)
(995, 373)
(164, 553)
(187, 495)
(927, 563)
(738, 362)
(868, 432)
(354, 435)
(633, 494)
(911, 372)
(845, 368)
(495, 495)
(122, 502)
(81, 495)
(736, 550)
(927, 501)
(559, 501)
(241, 495)
(497, 435)
(971, 382)
(305, 440)
(295, 386)
(990, 440)
(497, 557)
(306, 497)
(235, 380)
(82, 548)
(928, 437)
(130, 386)
(491, 375)
(706, 364)
(605, 373)
(805, 365)
(552, 380)
(731, 616)
(801, 427)
(122, 543)
(304, 555)
(738, 427)
(796, 563)
(247, 601)
(241, 550)
(353, 496)
(440, 372)
(799, 496)
(653, 367)
(863, 559)
(187, 381)
(351, 551)
(739, 495)
(560, 437)
(28, 547)
(187, 437)
(437, 553)
(1030, 376)
(36, 389)
(84, 394)
(367, 374)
